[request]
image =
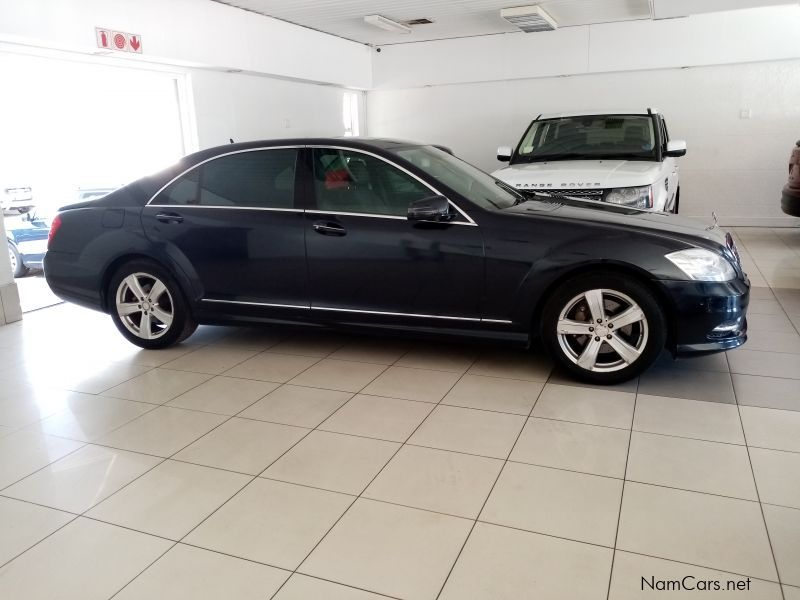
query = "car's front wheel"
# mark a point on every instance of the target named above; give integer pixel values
(148, 307)
(603, 328)
(18, 267)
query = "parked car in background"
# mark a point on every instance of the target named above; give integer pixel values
(16, 198)
(92, 193)
(790, 199)
(382, 234)
(624, 158)
(27, 241)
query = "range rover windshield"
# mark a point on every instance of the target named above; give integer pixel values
(591, 137)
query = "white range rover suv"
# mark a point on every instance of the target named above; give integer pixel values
(623, 158)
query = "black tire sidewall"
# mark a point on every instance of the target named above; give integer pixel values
(21, 268)
(644, 297)
(182, 320)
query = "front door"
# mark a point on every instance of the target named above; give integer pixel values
(364, 256)
(232, 223)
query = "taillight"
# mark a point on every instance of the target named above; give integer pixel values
(54, 227)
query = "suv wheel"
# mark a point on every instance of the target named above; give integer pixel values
(603, 328)
(148, 307)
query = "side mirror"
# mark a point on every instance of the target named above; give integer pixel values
(676, 148)
(434, 209)
(504, 153)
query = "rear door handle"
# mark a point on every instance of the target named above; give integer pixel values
(329, 228)
(169, 217)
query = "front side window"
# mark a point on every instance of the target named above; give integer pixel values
(472, 183)
(352, 182)
(256, 179)
(628, 137)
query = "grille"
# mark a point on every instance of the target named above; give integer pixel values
(596, 194)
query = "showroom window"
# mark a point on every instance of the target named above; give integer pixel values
(349, 181)
(350, 114)
(262, 179)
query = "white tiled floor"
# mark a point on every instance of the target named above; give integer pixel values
(258, 463)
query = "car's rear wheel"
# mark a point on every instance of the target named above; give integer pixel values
(148, 307)
(603, 328)
(18, 267)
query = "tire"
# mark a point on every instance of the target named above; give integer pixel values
(18, 267)
(143, 290)
(615, 353)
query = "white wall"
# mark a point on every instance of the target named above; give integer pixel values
(758, 34)
(734, 166)
(246, 108)
(191, 33)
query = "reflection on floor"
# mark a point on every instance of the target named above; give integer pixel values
(255, 463)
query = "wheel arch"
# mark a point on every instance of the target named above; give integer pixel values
(118, 262)
(627, 270)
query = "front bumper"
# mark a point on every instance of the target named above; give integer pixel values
(708, 316)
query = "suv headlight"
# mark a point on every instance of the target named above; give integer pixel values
(702, 265)
(635, 197)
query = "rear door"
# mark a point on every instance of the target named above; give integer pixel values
(234, 224)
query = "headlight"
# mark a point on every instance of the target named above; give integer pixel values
(702, 265)
(636, 197)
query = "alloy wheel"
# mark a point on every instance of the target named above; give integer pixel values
(602, 330)
(145, 306)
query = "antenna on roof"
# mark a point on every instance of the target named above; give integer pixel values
(231, 140)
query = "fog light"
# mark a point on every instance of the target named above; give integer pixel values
(726, 329)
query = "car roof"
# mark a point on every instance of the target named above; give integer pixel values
(586, 113)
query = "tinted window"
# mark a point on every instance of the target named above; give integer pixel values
(472, 183)
(348, 181)
(260, 179)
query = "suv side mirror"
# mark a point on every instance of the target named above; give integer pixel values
(504, 153)
(434, 209)
(675, 148)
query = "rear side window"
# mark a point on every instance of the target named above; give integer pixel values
(258, 179)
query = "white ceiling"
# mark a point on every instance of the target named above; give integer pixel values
(464, 18)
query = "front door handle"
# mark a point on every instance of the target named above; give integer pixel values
(329, 228)
(169, 217)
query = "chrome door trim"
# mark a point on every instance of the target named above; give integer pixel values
(352, 214)
(242, 302)
(469, 222)
(353, 310)
(216, 156)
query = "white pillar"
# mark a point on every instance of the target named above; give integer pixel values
(10, 309)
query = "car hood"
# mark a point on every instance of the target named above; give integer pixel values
(691, 231)
(572, 174)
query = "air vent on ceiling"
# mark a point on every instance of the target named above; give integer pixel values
(529, 19)
(422, 21)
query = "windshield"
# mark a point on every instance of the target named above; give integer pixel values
(628, 137)
(472, 183)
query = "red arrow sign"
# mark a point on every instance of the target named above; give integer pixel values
(135, 43)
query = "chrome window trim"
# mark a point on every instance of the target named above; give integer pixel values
(352, 214)
(469, 222)
(182, 206)
(353, 310)
(215, 157)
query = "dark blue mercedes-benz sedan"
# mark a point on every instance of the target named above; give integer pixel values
(385, 234)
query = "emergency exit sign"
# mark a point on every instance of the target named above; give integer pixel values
(108, 39)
